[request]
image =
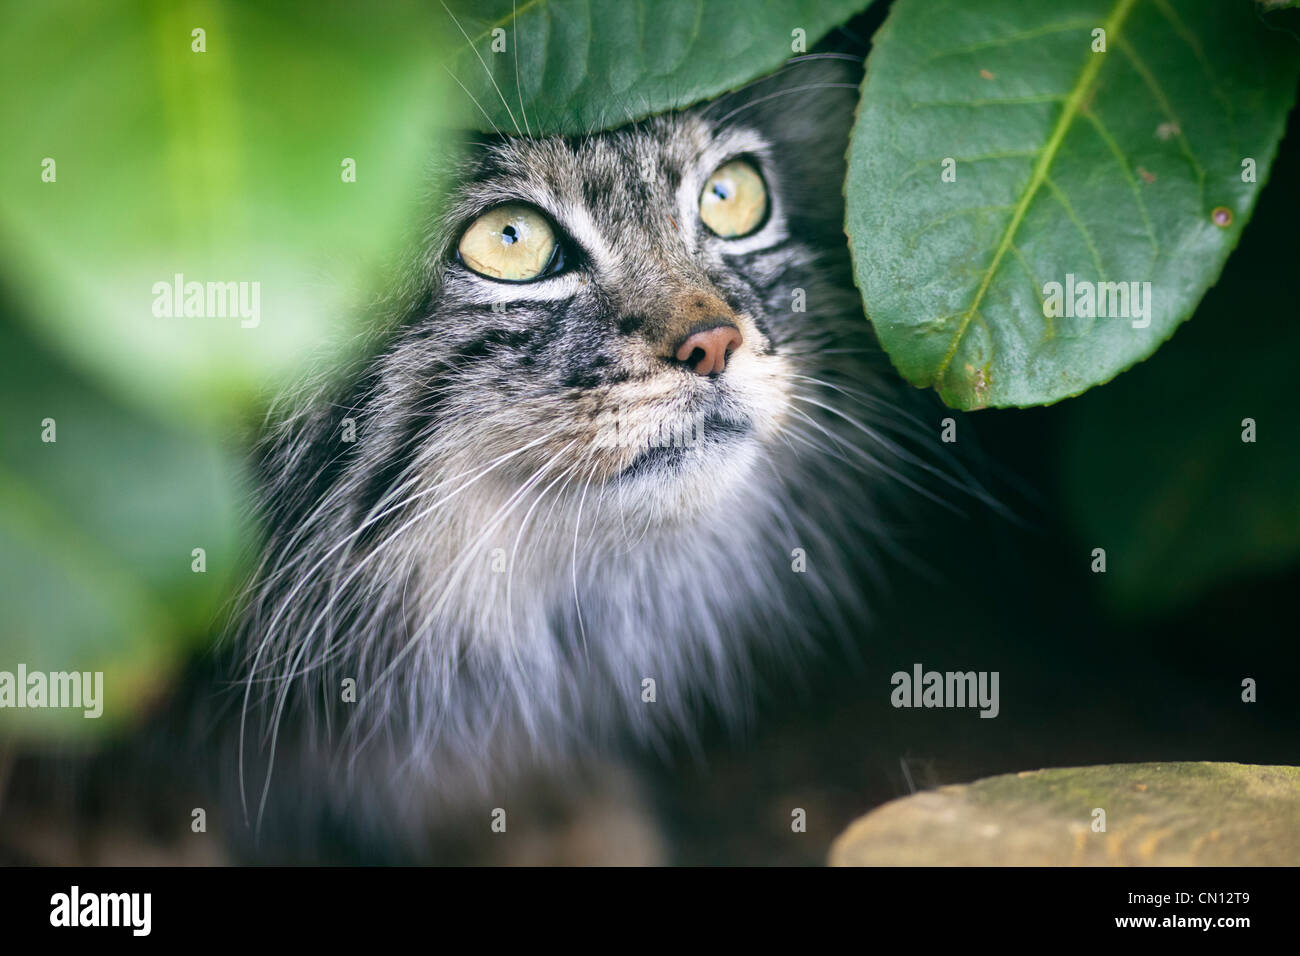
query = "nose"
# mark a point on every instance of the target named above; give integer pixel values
(705, 352)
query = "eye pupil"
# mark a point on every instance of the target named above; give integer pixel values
(733, 202)
(511, 242)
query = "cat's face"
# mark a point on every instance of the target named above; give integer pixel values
(617, 411)
(586, 358)
(633, 308)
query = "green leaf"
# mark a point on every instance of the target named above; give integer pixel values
(223, 166)
(1105, 166)
(573, 66)
(97, 533)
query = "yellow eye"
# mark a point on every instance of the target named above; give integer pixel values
(734, 200)
(510, 242)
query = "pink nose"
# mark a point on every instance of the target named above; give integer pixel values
(706, 352)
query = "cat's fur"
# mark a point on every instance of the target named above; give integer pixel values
(499, 578)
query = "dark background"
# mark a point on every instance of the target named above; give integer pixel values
(1143, 663)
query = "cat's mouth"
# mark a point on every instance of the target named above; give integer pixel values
(692, 440)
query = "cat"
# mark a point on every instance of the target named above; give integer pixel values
(627, 445)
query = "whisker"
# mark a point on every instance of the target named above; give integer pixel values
(479, 105)
(510, 572)
(573, 564)
(514, 25)
(491, 78)
(851, 57)
(798, 89)
(287, 602)
(874, 461)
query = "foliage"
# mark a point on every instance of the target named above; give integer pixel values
(213, 141)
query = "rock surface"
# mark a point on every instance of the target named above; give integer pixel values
(1156, 814)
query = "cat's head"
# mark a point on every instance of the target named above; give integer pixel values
(633, 309)
(638, 378)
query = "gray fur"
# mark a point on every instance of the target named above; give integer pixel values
(480, 430)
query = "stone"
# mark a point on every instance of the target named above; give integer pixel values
(1155, 814)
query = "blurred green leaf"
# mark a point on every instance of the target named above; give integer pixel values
(1105, 165)
(97, 533)
(572, 66)
(222, 166)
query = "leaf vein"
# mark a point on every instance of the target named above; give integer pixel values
(1042, 31)
(1162, 101)
(1059, 194)
(1122, 161)
(954, 214)
(1027, 99)
(1073, 103)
